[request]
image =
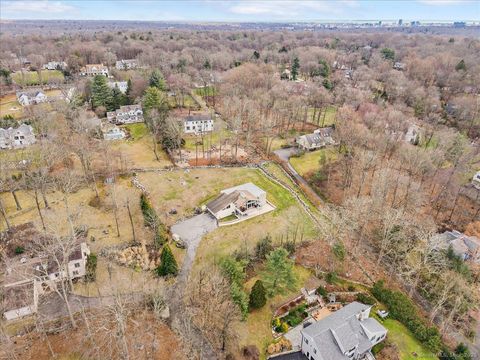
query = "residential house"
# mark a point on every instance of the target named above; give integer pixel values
(399, 66)
(320, 138)
(14, 138)
(25, 278)
(238, 201)
(348, 333)
(55, 65)
(126, 64)
(94, 69)
(198, 123)
(476, 180)
(464, 246)
(31, 97)
(127, 114)
(121, 85)
(112, 132)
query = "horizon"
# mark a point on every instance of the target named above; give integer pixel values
(242, 11)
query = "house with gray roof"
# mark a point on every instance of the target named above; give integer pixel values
(464, 246)
(15, 138)
(197, 123)
(126, 64)
(31, 97)
(239, 201)
(476, 180)
(318, 139)
(127, 114)
(347, 334)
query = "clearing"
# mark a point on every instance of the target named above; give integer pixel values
(310, 161)
(26, 78)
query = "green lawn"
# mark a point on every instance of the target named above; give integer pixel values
(404, 340)
(310, 161)
(32, 78)
(327, 116)
(208, 91)
(137, 131)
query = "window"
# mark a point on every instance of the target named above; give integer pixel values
(314, 351)
(77, 265)
(306, 341)
(75, 272)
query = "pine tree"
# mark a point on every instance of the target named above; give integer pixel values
(168, 264)
(257, 296)
(101, 93)
(157, 80)
(278, 275)
(128, 93)
(295, 68)
(461, 66)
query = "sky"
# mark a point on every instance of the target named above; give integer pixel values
(241, 10)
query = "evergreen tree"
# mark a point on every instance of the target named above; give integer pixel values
(461, 66)
(128, 93)
(168, 264)
(256, 54)
(388, 53)
(278, 275)
(257, 296)
(206, 64)
(295, 68)
(101, 93)
(117, 98)
(157, 80)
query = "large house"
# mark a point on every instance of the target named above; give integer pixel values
(238, 201)
(28, 277)
(127, 114)
(121, 85)
(464, 246)
(126, 64)
(198, 123)
(320, 138)
(476, 180)
(14, 138)
(347, 334)
(94, 69)
(55, 65)
(31, 97)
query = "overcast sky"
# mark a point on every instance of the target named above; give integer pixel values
(241, 10)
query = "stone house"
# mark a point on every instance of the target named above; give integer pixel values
(320, 138)
(14, 138)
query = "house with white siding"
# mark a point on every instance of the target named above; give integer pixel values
(15, 138)
(127, 114)
(121, 85)
(198, 123)
(126, 64)
(31, 97)
(94, 69)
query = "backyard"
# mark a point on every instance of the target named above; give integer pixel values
(326, 116)
(32, 77)
(310, 161)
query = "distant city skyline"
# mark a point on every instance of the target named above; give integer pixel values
(243, 10)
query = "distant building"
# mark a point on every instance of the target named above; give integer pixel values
(112, 132)
(459, 24)
(320, 138)
(348, 333)
(14, 138)
(400, 22)
(413, 135)
(399, 66)
(94, 69)
(126, 64)
(127, 114)
(30, 97)
(476, 180)
(55, 65)
(464, 246)
(199, 123)
(121, 85)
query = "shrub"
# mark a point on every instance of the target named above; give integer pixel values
(283, 327)
(258, 296)
(149, 215)
(351, 288)
(377, 348)
(321, 291)
(168, 264)
(331, 277)
(91, 267)
(19, 250)
(365, 299)
(263, 248)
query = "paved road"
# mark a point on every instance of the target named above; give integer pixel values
(285, 154)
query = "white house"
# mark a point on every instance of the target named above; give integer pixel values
(126, 64)
(112, 132)
(121, 85)
(14, 138)
(198, 123)
(127, 114)
(94, 69)
(31, 97)
(476, 180)
(320, 138)
(55, 65)
(399, 66)
(348, 333)
(239, 201)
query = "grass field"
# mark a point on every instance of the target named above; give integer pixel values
(189, 102)
(137, 131)
(208, 91)
(10, 106)
(327, 116)
(32, 77)
(310, 161)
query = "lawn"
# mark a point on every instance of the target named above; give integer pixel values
(10, 106)
(310, 161)
(256, 330)
(206, 91)
(188, 102)
(137, 131)
(327, 116)
(32, 77)
(405, 342)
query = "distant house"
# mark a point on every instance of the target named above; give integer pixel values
(121, 85)
(320, 138)
(14, 138)
(413, 135)
(198, 123)
(55, 65)
(399, 66)
(31, 97)
(476, 180)
(127, 114)
(348, 333)
(464, 246)
(126, 64)
(25, 278)
(94, 69)
(112, 132)
(239, 201)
